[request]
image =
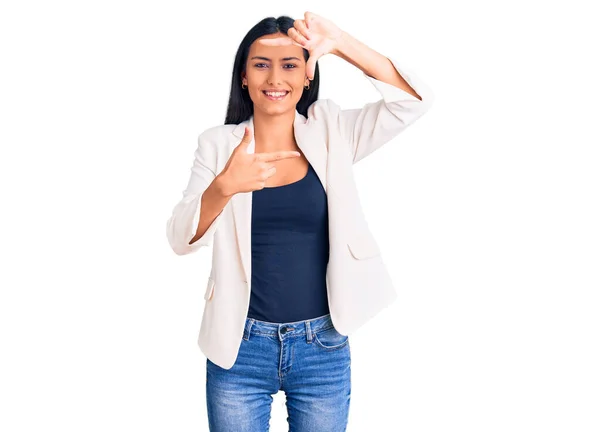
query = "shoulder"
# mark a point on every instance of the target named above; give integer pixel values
(216, 133)
(211, 140)
(323, 110)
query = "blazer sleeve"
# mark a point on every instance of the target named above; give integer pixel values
(183, 223)
(366, 129)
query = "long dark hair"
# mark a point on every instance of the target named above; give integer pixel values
(240, 106)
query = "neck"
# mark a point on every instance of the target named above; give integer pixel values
(274, 132)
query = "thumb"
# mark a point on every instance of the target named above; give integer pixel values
(246, 139)
(311, 66)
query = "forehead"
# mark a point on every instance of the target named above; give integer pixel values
(275, 53)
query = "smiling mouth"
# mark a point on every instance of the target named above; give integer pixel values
(276, 96)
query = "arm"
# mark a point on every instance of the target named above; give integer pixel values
(371, 63)
(196, 216)
(213, 200)
(405, 98)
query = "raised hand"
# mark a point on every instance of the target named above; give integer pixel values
(246, 172)
(316, 34)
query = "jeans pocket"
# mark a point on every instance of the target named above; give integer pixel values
(330, 339)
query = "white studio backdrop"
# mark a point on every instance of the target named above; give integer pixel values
(486, 211)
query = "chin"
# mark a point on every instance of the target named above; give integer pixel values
(278, 110)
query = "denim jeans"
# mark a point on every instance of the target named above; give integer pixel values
(308, 360)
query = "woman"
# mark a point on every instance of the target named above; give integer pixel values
(295, 268)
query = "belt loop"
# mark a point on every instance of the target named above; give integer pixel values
(247, 328)
(308, 331)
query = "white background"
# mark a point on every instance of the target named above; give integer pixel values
(486, 211)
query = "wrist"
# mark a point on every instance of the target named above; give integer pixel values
(223, 186)
(342, 42)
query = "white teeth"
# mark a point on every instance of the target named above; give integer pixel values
(275, 94)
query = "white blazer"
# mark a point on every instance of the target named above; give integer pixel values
(332, 139)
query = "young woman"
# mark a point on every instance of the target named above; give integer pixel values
(295, 268)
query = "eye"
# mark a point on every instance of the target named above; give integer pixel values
(259, 65)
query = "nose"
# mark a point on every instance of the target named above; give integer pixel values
(273, 77)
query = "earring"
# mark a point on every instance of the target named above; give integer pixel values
(244, 87)
(307, 87)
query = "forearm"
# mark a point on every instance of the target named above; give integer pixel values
(213, 201)
(371, 62)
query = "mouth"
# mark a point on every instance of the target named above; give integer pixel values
(276, 96)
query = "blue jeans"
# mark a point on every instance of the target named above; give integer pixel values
(308, 360)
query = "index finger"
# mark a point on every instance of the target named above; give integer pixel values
(280, 41)
(272, 156)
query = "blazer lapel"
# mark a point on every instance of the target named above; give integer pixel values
(312, 145)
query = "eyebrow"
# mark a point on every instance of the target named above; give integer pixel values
(268, 59)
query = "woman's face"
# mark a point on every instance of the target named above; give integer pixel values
(275, 68)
